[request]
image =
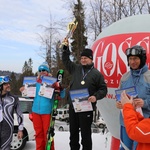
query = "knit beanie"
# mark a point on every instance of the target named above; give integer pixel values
(88, 53)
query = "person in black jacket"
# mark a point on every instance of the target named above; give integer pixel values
(8, 105)
(84, 75)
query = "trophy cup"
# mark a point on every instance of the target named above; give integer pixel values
(71, 28)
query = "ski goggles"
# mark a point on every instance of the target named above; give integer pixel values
(4, 79)
(133, 51)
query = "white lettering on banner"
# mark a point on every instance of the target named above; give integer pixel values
(109, 54)
(109, 67)
(99, 47)
(146, 41)
(112, 81)
(112, 63)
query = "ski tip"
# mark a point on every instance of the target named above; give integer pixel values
(61, 71)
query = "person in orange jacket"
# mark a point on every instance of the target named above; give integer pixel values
(137, 127)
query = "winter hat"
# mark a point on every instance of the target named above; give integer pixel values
(138, 51)
(44, 66)
(88, 53)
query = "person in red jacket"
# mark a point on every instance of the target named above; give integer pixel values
(137, 127)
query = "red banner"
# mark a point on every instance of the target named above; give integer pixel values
(109, 54)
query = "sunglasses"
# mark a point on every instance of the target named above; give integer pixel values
(42, 70)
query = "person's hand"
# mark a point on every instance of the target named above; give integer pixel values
(92, 99)
(56, 86)
(138, 102)
(125, 98)
(119, 105)
(41, 74)
(49, 74)
(65, 42)
(20, 134)
(22, 88)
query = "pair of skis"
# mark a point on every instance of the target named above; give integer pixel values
(50, 133)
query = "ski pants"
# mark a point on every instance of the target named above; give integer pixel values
(6, 133)
(80, 122)
(126, 142)
(41, 124)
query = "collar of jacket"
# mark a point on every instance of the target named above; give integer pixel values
(87, 66)
(139, 71)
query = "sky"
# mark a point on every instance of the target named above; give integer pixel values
(19, 30)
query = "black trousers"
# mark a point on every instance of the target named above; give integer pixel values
(6, 134)
(80, 122)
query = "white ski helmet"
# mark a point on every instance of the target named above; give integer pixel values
(4, 79)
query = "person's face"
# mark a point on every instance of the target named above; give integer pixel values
(6, 88)
(85, 60)
(43, 72)
(134, 62)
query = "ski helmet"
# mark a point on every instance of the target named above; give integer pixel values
(138, 51)
(3, 80)
(44, 67)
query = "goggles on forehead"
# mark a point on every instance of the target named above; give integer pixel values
(4, 79)
(133, 51)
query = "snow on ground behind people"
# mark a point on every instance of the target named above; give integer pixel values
(100, 141)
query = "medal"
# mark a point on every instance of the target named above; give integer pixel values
(85, 74)
(82, 82)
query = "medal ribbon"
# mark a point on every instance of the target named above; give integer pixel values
(84, 75)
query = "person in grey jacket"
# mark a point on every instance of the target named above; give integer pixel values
(138, 76)
(84, 75)
(8, 104)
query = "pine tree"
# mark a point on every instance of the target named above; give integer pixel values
(79, 40)
(13, 84)
(26, 71)
(27, 68)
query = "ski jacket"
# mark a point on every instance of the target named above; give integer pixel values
(43, 105)
(137, 127)
(9, 104)
(94, 81)
(141, 80)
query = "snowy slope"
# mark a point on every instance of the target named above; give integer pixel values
(100, 141)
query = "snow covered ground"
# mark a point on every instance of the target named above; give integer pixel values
(100, 141)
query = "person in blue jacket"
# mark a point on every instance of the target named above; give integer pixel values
(138, 76)
(42, 109)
